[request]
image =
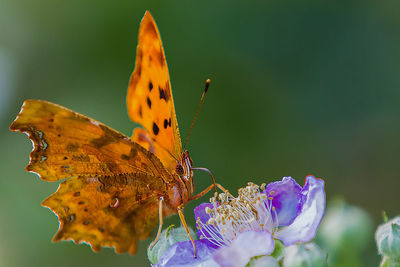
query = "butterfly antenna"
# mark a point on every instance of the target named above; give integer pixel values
(208, 81)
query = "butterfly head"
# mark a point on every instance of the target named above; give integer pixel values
(184, 169)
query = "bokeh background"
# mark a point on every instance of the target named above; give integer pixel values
(298, 87)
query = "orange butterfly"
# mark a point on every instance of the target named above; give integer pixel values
(116, 188)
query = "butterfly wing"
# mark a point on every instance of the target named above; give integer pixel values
(112, 186)
(149, 98)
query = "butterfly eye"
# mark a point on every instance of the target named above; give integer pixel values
(179, 169)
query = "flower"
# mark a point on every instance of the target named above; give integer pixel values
(236, 229)
(284, 209)
(345, 227)
(387, 238)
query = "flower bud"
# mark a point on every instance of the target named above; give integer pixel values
(345, 228)
(304, 255)
(167, 238)
(387, 238)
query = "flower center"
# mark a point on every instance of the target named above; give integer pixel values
(250, 211)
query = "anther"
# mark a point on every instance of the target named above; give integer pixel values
(208, 210)
(211, 221)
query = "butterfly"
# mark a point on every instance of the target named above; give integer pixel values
(114, 189)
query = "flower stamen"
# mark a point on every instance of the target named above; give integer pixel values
(229, 216)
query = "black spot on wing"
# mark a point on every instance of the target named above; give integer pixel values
(162, 94)
(140, 111)
(148, 102)
(167, 123)
(150, 85)
(155, 128)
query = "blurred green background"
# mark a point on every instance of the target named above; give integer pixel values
(310, 87)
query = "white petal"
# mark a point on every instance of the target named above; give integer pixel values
(265, 261)
(245, 246)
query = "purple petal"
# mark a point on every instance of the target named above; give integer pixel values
(304, 227)
(200, 212)
(181, 254)
(285, 195)
(246, 245)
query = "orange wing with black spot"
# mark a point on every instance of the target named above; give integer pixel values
(110, 195)
(149, 98)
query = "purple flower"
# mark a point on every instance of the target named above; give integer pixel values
(232, 230)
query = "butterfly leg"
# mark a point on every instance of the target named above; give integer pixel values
(183, 221)
(205, 191)
(160, 216)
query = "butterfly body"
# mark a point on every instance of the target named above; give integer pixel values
(111, 184)
(180, 191)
